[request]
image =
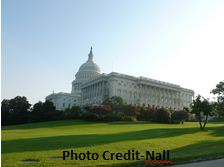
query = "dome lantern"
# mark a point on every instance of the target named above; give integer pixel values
(88, 70)
(90, 54)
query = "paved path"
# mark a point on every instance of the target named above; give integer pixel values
(211, 163)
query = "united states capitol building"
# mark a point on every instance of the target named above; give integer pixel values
(93, 87)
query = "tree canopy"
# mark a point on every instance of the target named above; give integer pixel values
(219, 105)
(15, 111)
(201, 107)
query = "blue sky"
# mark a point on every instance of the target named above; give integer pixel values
(44, 42)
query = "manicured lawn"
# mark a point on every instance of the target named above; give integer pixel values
(42, 141)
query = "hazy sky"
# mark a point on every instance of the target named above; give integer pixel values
(44, 42)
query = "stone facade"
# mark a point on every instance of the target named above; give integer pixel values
(92, 87)
(136, 91)
(62, 100)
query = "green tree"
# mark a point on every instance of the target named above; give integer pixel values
(15, 111)
(44, 112)
(50, 112)
(5, 112)
(37, 113)
(219, 91)
(201, 107)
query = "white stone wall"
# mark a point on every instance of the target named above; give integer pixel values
(136, 90)
(95, 91)
(62, 100)
(186, 97)
(133, 90)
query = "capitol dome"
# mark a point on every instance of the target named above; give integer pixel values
(87, 71)
(89, 66)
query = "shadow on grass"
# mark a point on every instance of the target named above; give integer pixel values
(52, 124)
(201, 151)
(48, 124)
(216, 131)
(76, 141)
(216, 122)
(130, 122)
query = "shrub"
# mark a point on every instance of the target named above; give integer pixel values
(162, 116)
(217, 119)
(128, 118)
(146, 114)
(89, 116)
(88, 107)
(101, 113)
(179, 116)
(72, 113)
(53, 115)
(132, 111)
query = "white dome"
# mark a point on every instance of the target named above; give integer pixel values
(88, 70)
(89, 66)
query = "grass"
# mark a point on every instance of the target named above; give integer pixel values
(44, 142)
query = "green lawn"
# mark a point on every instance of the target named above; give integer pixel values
(42, 141)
